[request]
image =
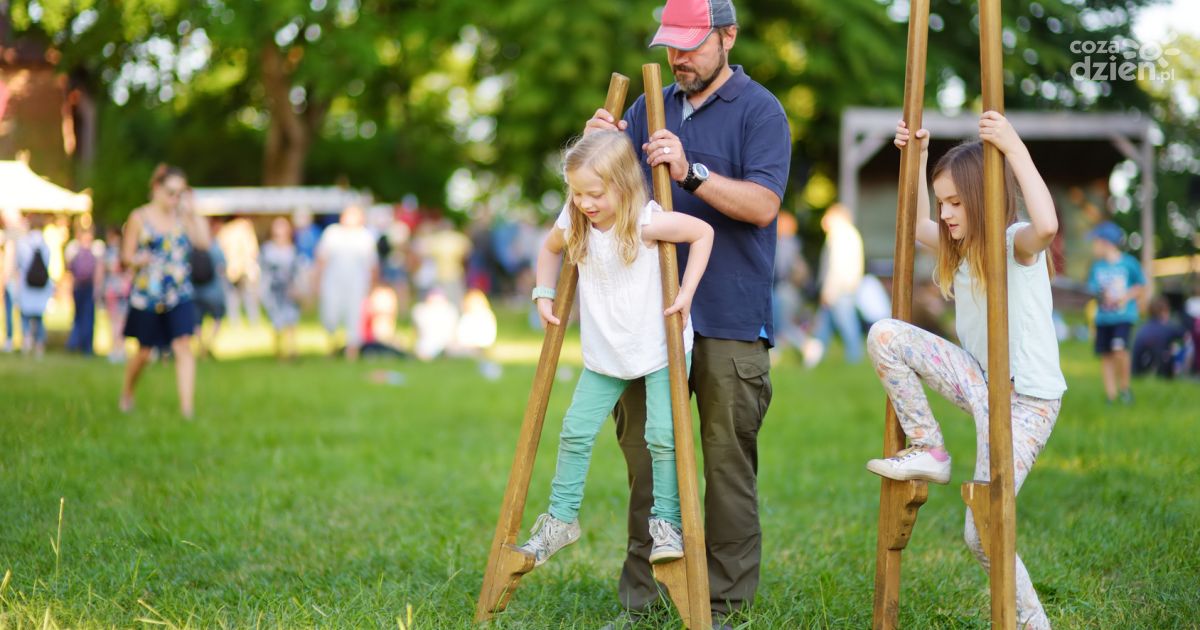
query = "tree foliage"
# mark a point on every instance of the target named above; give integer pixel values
(404, 96)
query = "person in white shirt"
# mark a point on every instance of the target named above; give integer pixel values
(347, 267)
(840, 277)
(610, 229)
(906, 356)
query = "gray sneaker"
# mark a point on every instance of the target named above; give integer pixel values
(548, 536)
(668, 541)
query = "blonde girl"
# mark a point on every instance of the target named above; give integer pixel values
(610, 229)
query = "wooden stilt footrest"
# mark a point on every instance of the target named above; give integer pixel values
(977, 495)
(513, 565)
(674, 576)
(904, 499)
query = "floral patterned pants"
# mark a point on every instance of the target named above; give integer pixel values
(905, 357)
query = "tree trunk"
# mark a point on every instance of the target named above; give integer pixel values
(291, 128)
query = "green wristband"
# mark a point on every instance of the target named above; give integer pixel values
(543, 292)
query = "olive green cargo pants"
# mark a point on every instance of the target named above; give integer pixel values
(732, 385)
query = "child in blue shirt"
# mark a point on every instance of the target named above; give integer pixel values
(1116, 280)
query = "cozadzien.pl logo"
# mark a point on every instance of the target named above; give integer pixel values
(1123, 60)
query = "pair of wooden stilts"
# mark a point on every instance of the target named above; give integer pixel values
(686, 579)
(993, 504)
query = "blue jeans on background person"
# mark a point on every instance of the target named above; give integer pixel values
(84, 326)
(842, 314)
(785, 304)
(8, 316)
(34, 328)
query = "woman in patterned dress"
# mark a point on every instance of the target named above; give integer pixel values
(158, 238)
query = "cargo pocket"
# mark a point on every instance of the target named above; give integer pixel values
(753, 371)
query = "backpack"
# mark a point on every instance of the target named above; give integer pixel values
(83, 266)
(37, 276)
(201, 262)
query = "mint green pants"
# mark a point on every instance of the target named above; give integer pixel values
(594, 399)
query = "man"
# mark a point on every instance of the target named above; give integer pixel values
(728, 148)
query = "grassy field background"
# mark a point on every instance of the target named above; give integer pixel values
(308, 495)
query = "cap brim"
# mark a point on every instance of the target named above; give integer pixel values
(680, 37)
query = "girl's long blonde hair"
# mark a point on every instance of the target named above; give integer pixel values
(610, 155)
(964, 164)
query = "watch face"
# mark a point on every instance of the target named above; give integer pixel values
(701, 171)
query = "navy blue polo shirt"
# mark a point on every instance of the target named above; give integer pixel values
(740, 132)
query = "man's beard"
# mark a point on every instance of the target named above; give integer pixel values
(701, 83)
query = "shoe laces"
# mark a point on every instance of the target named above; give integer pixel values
(908, 453)
(662, 530)
(544, 528)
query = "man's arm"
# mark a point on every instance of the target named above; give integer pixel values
(740, 200)
(767, 159)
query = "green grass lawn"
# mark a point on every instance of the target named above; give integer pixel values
(306, 495)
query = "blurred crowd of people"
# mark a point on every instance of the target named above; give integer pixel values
(840, 297)
(362, 276)
(374, 269)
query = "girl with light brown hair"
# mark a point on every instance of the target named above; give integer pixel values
(907, 358)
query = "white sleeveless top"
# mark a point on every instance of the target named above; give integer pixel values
(1032, 344)
(622, 328)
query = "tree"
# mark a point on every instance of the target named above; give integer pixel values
(407, 95)
(1176, 106)
(291, 61)
(817, 57)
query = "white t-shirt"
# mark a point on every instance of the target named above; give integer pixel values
(1032, 344)
(350, 255)
(841, 262)
(622, 329)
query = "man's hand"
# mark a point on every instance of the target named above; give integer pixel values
(665, 147)
(603, 121)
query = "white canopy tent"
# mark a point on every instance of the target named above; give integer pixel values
(22, 189)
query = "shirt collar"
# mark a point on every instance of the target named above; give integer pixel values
(730, 90)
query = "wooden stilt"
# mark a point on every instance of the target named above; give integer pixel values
(506, 565)
(686, 578)
(1002, 515)
(900, 500)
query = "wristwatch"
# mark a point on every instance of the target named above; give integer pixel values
(697, 174)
